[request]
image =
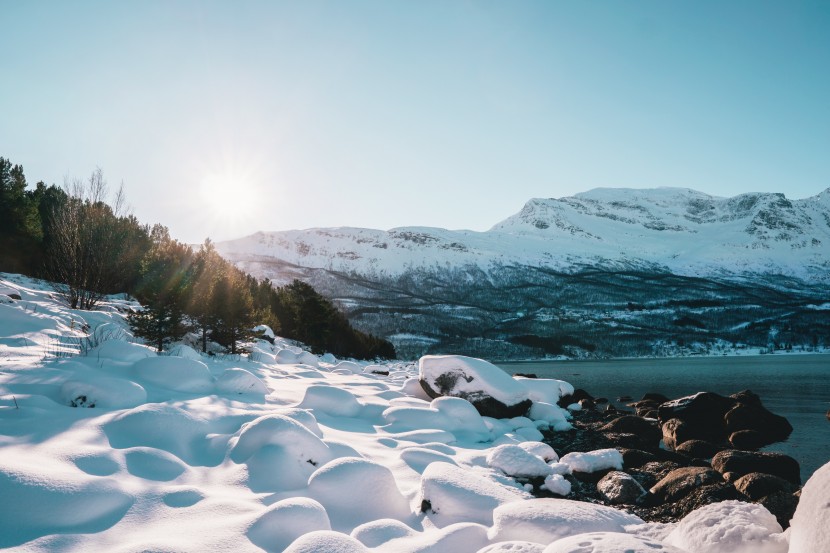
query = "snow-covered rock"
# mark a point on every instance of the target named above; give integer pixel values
(331, 401)
(240, 381)
(593, 461)
(285, 521)
(810, 526)
(102, 392)
(175, 373)
(516, 461)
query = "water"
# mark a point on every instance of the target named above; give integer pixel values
(792, 385)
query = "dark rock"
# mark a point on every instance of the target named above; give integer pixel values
(698, 449)
(633, 458)
(680, 482)
(526, 375)
(698, 497)
(747, 398)
(590, 476)
(587, 404)
(620, 488)
(601, 400)
(14, 296)
(579, 393)
(756, 485)
(648, 413)
(675, 432)
(753, 416)
(610, 409)
(703, 414)
(744, 462)
(748, 439)
(624, 398)
(652, 472)
(782, 505)
(652, 396)
(647, 431)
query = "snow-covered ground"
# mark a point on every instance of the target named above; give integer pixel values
(281, 450)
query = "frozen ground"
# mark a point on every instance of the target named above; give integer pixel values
(285, 451)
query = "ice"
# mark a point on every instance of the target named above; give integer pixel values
(175, 373)
(729, 527)
(285, 521)
(810, 529)
(593, 461)
(545, 520)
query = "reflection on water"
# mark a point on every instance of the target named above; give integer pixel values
(791, 385)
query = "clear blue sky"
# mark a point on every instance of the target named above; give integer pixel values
(223, 118)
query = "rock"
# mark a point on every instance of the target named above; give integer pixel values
(748, 440)
(680, 482)
(624, 398)
(493, 392)
(652, 472)
(620, 488)
(675, 432)
(745, 462)
(526, 375)
(747, 398)
(648, 432)
(753, 416)
(652, 396)
(698, 449)
(782, 505)
(703, 414)
(601, 400)
(704, 495)
(756, 485)
(587, 404)
(575, 397)
(634, 458)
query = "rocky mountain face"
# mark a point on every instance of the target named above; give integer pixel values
(610, 272)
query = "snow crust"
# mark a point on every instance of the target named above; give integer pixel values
(284, 450)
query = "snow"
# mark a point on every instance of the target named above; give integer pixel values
(810, 529)
(593, 461)
(284, 451)
(473, 377)
(729, 526)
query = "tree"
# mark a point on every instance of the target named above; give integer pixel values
(86, 250)
(164, 282)
(234, 310)
(205, 276)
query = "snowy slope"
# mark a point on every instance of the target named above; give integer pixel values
(122, 450)
(679, 230)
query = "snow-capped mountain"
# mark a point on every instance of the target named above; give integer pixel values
(517, 266)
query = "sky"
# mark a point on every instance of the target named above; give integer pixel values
(225, 118)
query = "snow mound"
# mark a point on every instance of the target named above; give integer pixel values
(175, 373)
(593, 461)
(462, 536)
(35, 504)
(419, 458)
(183, 350)
(546, 520)
(545, 390)
(468, 377)
(153, 464)
(454, 494)
(378, 496)
(331, 400)
(810, 530)
(378, 532)
(285, 521)
(555, 416)
(348, 367)
(556, 483)
(102, 392)
(284, 432)
(159, 426)
(731, 526)
(513, 547)
(540, 449)
(118, 350)
(296, 356)
(609, 542)
(326, 541)
(240, 381)
(514, 460)
(462, 415)
(412, 387)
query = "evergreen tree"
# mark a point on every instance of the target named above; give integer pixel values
(234, 310)
(200, 304)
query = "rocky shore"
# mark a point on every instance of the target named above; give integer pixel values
(680, 454)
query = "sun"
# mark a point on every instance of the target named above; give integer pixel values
(226, 196)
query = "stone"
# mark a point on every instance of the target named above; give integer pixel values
(630, 424)
(635, 458)
(587, 404)
(756, 485)
(748, 440)
(703, 413)
(782, 505)
(675, 432)
(652, 396)
(753, 416)
(620, 488)
(680, 482)
(745, 462)
(698, 449)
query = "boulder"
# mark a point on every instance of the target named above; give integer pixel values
(756, 485)
(675, 432)
(698, 449)
(648, 432)
(620, 488)
(653, 396)
(702, 413)
(741, 463)
(748, 440)
(782, 505)
(680, 482)
(634, 458)
(752, 416)
(493, 392)
(652, 472)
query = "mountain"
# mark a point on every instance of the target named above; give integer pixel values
(605, 272)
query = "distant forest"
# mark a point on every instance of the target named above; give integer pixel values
(82, 240)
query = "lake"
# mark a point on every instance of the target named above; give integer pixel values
(796, 386)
